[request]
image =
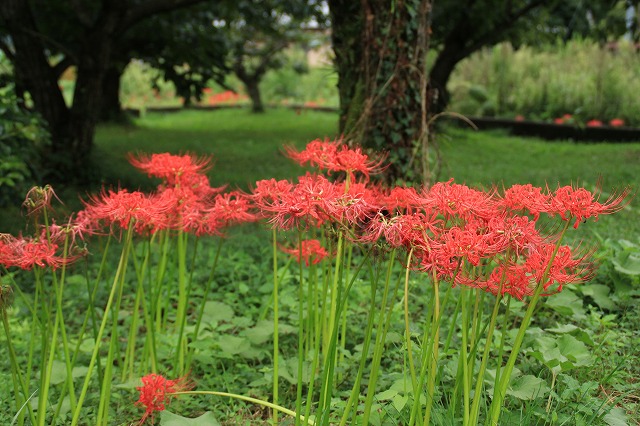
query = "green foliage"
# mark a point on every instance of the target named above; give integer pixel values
(579, 78)
(23, 137)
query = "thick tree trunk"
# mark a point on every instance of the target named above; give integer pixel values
(111, 109)
(380, 55)
(253, 90)
(32, 70)
(439, 76)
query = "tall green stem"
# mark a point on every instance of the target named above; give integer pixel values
(275, 326)
(500, 391)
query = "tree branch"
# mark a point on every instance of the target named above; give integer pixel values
(150, 8)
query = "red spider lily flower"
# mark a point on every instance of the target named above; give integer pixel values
(580, 204)
(519, 117)
(310, 250)
(336, 157)
(567, 116)
(354, 203)
(27, 253)
(518, 233)
(400, 199)
(616, 122)
(451, 199)
(594, 123)
(526, 197)
(413, 230)
(288, 205)
(229, 208)
(521, 279)
(170, 167)
(123, 208)
(156, 392)
(558, 120)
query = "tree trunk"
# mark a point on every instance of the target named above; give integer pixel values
(32, 70)
(439, 76)
(380, 56)
(111, 108)
(253, 90)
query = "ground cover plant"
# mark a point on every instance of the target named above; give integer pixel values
(314, 312)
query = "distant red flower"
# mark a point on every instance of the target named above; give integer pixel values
(616, 122)
(310, 250)
(558, 120)
(519, 118)
(567, 117)
(594, 123)
(580, 204)
(155, 393)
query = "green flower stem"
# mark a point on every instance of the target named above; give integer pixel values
(433, 352)
(382, 327)
(267, 404)
(464, 358)
(355, 391)
(334, 287)
(301, 353)
(477, 395)
(275, 326)
(181, 313)
(326, 391)
(501, 389)
(412, 368)
(20, 388)
(207, 290)
(117, 281)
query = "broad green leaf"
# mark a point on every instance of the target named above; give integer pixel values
(575, 351)
(58, 372)
(399, 401)
(386, 395)
(528, 388)
(616, 417)
(600, 294)
(566, 303)
(260, 333)
(217, 311)
(170, 419)
(233, 345)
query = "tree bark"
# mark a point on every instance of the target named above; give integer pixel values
(253, 90)
(380, 51)
(111, 108)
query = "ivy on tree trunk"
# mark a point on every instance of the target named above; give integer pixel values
(380, 52)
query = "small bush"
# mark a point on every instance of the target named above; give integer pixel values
(23, 135)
